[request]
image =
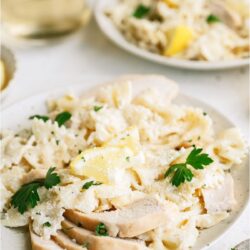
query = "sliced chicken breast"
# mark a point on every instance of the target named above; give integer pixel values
(66, 243)
(230, 17)
(38, 243)
(221, 198)
(83, 236)
(135, 219)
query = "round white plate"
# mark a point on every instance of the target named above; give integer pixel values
(16, 117)
(115, 36)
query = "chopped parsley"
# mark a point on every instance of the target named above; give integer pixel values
(39, 117)
(27, 196)
(204, 113)
(47, 224)
(141, 11)
(57, 142)
(97, 108)
(101, 230)
(88, 184)
(63, 117)
(181, 173)
(127, 158)
(212, 19)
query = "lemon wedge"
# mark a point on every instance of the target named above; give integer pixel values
(102, 162)
(2, 75)
(170, 3)
(180, 39)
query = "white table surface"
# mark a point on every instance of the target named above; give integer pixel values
(89, 54)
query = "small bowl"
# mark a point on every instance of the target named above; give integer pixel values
(10, 66)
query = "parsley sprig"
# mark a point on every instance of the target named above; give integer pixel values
(181, 173)
(39, 117)
(141, 11)
(213, 19)
(101, 230)
(88, 184)
(61, 118)
(97, 108)
(27, 196)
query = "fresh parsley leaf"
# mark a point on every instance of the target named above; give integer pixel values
(51, 179)
(181, 173)
(63, 117)
(47, 224)
(101, 230)
(198, 160)
(97, 108)
(26, 197)
(141, 11)
(88, 184)
(212, 19)
(40, 117)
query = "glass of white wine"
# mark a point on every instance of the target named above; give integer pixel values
(42, 18)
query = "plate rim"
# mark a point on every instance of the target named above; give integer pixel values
(171, 62)
(58, 91)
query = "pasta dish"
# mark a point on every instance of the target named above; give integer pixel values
(121, 167)
(204, 30)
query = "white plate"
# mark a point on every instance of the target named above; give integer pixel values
(114, 35)
(16, 117)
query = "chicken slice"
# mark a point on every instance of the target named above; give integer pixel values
(221, 198)
(230, 17)
(66, 243)
(38, 243)
(135, 219)
(83, 236)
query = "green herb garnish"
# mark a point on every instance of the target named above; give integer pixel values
(141, 11)
(97, 108)
(212, 19)
(62, 118)
(182, 173)
(27, 196)
(40, 117)
(128, 158)
(101, 230)
(51, 179)
(47, 224)
(88, 184)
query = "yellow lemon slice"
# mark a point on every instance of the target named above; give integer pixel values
(180, 38)
(2, 75)
(100, 162)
